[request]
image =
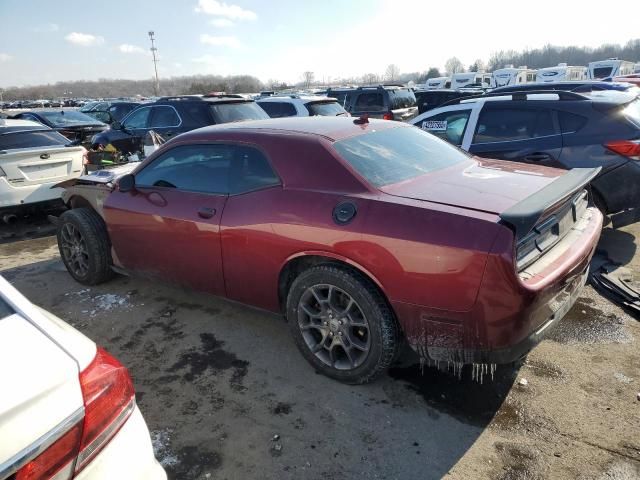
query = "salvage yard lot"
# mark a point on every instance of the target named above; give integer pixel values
(227, 395)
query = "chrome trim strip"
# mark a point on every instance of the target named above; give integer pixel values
(24, 456)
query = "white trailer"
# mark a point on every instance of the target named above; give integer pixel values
(561, 73)
(435, 83)
(467, 79)
(611, 67)
(509, 75)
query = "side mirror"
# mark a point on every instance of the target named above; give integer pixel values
(127, 183)
(116, 125)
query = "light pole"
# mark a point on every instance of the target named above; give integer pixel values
(156, 87)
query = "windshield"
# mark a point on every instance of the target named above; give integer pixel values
(326, 109)
(602, 72)
(68, 118)
(237, 112)
(397, 154)
(31, 139)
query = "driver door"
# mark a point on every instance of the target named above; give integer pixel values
(168, 226)
(134, 127)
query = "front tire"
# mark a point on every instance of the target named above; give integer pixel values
(84, 246)
(342, 324)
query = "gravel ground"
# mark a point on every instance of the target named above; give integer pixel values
(227, 396)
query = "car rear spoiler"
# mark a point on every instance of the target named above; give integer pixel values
(526, 214)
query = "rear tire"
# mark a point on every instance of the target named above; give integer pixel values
(84, 246)
(342, 324)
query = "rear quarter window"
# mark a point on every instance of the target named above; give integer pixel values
(32, 139)
(570, 122)
(237, 112)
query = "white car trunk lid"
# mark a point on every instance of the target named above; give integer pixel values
(40, 388)
(41, 165)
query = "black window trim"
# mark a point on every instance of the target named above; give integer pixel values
(280, 183)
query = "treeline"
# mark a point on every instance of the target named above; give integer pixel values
(550, 55)
(109, 88)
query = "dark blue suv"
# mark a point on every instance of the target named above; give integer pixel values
(556, 129)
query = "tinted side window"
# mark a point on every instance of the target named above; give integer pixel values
(250, 170)
(373, 102)
(26, 139)
(164, 116)
(449, 126)
(196, 113)
(508, 124)
(214, 169)
(137, 118)
(279, 109)
(570, 122)
(195, 168)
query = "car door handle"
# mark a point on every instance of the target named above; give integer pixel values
(206, 212)
(537, 157)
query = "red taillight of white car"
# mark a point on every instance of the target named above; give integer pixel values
(109, 399)
(627, 148)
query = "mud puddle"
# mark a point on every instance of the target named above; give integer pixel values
(465, 399)
(586, 324)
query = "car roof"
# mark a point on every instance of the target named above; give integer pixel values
(9, 125)
(292, 98)
(333, 128)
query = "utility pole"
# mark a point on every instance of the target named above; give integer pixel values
(156, 87)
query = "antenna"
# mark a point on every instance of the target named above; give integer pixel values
(156, 87)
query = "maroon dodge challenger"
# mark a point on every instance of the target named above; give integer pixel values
(360, 233)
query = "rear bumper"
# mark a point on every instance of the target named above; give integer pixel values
(511, 315)
(128, 455)
(15, 196)
(619, 187)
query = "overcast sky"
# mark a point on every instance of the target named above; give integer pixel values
(43, 41)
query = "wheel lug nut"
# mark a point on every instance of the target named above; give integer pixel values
(326, 323)
(331, 334)
(340, 333)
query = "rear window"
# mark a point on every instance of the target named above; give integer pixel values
(237, 112)
(325, 109)
(401, 98)
(68, 118)
(632, 112)
(5, 309)
(397, 154)
(31, 139)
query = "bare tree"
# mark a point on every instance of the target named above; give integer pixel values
(392, 72)
(477, 66)
(453, 65)
(369, 79)
(308, 77)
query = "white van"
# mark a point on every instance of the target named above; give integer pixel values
(612, 67)
(435, 83)
(509, 75)
(463, 80)
(561, 73)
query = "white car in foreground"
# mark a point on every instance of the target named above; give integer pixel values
(33, 157)
(67, 407)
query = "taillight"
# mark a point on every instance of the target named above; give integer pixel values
(388, 116)
(108, 395)
(627, 148)
(54, 458)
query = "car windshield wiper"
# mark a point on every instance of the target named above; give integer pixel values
(340, 113)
